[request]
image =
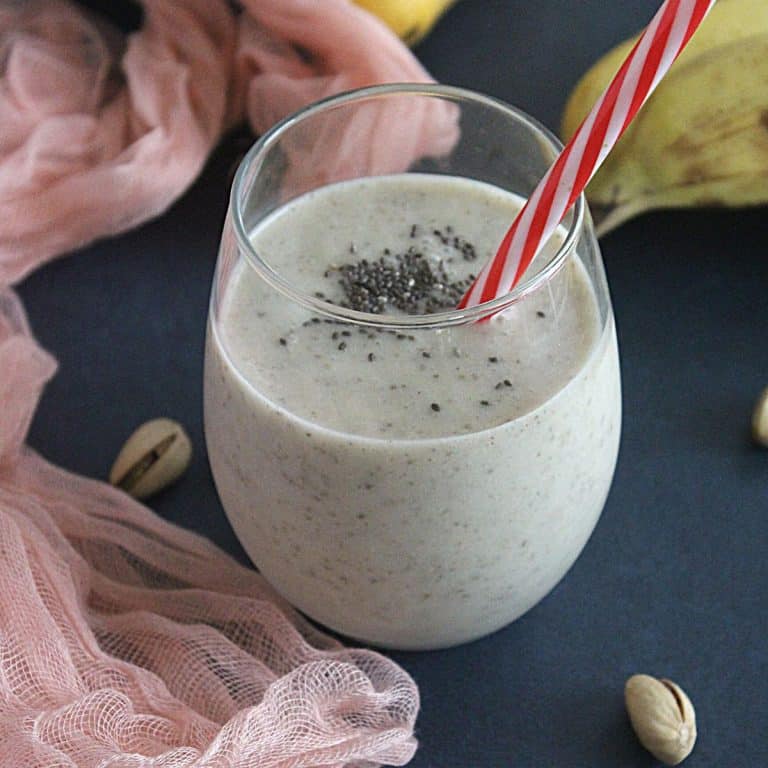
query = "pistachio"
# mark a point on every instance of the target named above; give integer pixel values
(662, 717)
(153, 457)
(760, 420)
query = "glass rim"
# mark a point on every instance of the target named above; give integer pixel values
(429, 321)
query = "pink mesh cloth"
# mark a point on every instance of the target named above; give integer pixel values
(126, 641)
(101, 133)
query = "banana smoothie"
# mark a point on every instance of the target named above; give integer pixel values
(411, 487)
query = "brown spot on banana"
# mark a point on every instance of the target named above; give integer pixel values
(412, 36)
(694, 174)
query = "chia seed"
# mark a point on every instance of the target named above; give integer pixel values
(435, 407)
(342, 346)
(484, 402)
(425, 354)
(444, 238)
(539, 313)
(493, 359)
(371, 357)
(283, 342)
(468, 251)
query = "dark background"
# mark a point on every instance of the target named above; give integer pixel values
(674, 580)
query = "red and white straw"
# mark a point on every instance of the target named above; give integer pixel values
(661, 43)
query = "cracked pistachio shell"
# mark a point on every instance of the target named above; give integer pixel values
(662, 716)
(760, 420)
(153, 457)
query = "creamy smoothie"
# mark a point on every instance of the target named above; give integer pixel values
(413, 488)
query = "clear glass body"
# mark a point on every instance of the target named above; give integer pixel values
(411, 480)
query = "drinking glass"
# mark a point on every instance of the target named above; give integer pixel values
(381, 500)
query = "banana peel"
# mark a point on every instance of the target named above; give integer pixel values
(702, 138)
(410, 20)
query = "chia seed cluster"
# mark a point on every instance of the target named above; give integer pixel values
(408, 281)
(411, 282)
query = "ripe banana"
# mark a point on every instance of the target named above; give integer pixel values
(410, 20)
(702, 138)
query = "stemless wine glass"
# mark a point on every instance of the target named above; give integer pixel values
(415, 478)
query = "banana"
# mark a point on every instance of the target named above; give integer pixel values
(410, 20)
(702, 138)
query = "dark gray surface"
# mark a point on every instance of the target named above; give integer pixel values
(674, 580)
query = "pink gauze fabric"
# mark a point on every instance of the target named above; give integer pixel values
(126, 641)
(99, 133)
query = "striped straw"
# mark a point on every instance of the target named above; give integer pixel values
(661, 43)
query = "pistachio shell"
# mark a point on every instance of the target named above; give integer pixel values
(760, 420)
(153, 457)
(662, 716)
